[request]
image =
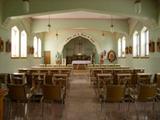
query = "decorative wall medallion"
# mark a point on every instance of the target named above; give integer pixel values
(111, 56)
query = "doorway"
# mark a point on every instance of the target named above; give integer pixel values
(47, 57)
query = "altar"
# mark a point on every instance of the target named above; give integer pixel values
(80, 64)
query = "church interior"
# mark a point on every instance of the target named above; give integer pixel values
(80, 60)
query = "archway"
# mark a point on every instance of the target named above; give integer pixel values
(79, 48)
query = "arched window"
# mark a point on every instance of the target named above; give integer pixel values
(144, 42)
(15, 42)
(35, 41)
(23, 44)
(37, 47)
(136, 44)
(121, 46)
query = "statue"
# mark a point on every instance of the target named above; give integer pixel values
(58, 58)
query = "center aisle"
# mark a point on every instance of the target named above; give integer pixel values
(81, 102)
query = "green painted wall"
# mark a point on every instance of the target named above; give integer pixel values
(8, 64)
(150, 64)
(102, 42)
(40, 25)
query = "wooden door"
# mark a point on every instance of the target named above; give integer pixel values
(47, 57)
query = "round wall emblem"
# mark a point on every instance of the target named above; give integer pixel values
(111, 56)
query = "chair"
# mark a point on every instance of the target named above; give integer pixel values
(49, 79)
(61, 79)
(115, 94)
(4, 78)
(44, 71)
(37, 79)
(124, 78)
(52, 93)
(106, 71)
(54, 71)
(94, 79)
(134, 76)
(144, 78)
(103, 81)
(144, 93)
(18, 78)
(157, 80)
(17, 93)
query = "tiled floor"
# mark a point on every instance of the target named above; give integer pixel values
(81, 104)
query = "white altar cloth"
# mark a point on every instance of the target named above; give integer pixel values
(81, 62)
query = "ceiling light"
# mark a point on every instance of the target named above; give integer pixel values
(26, 6)
(138, 6)
(49, 24)
(111, 26)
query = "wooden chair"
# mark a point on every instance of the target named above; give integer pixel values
(144, 78)
(44, 71)
(52, 93)
(134, 76)
(157, 80)
(106, 71)
(37, 82)
(18, 78)
(115, 94)
(4, 78)
(103, 81)
(18, 94)
(124, 78)
(49, 79)
(54, 71)
(62, 79)
(144, 93)
(94, 76)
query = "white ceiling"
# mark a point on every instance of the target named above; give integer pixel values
(79, 15)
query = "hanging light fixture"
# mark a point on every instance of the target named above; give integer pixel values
(26, 6)
(111, 26)
(137, 6)
(49, 24)
(57, 35)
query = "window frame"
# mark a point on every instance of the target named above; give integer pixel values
(136, 44)
(15, 42)
(19, 46)
(121, 47)
(144, 50)
(22, 46)
(37, 44)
